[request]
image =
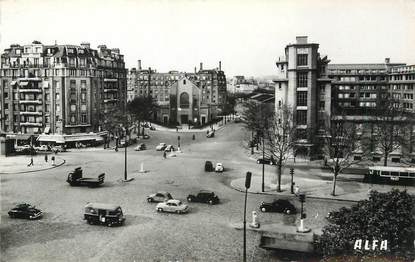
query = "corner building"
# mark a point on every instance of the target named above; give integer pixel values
(59, 89)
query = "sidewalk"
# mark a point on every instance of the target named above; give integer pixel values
(314, 188)
(185, 128)
(19, 164)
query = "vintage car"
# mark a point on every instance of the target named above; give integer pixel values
(219, 167)
(208, 166)
(42, 148)
(75, 178)
(140, 147)
(24, 210)
(266, 160)
(104, 214)
(169, 148)
(161, 146)
(58, 149)
(160, 196)
(278, 205)
(172, 206)
(210, 134)
(204, 196)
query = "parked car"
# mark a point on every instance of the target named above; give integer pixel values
(278, 205)
(159, 197)
(152, 128)
(266, 160)
(219, 167)
(172, 206)
(204, 196)
(42, 148)
(25, 150)
(169, 148)
(161, 147)
(104, 214)
(210, 134)
(208, 166)
(24, 210)
(140, 147)
(75, 179)
(58, 149)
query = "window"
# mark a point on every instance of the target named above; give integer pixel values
(83, 118)
(72, 119)
(302, 79)
(321, 105)
(6, 106)
(301, 117)
(184, 100)
(83, 108)
(302, 59)
(83, 96)
(302, 98)
(73, 108)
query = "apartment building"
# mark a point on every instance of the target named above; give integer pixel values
(59, 89)
(182, 97)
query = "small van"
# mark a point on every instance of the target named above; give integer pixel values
(103, 214)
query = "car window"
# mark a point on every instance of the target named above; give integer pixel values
(159, 195)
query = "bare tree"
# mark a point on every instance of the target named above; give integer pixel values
(342, 140)
(280, 138)
(391, 127)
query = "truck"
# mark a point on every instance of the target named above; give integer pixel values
(75, 178)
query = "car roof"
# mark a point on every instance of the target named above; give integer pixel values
(174, 201)
(102, 206)
(218, 164)
(162, 192)
(205, 191)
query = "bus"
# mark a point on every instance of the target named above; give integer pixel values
(390, 174)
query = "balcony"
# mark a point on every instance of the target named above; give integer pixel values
(30, 90)
(110, 80)
(37, 102)
(36, 113)
(31, 124)
(111, 100)
(108, 90)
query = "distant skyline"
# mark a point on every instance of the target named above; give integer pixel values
(247, 36)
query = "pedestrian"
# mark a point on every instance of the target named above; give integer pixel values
(46, 158)
(177, 129)
(53, 160)
(164, 155)
(31, 162)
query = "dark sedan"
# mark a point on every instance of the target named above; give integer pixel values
(278, 205)
(204, 196)
(268, 161)
(25, 211)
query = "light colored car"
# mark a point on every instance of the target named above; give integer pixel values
(159, 197)
(172, 206)
(140, 147)
(161, 146)
(169, 148)
(42, 148)
(219, 167)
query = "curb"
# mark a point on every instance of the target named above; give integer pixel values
(32, 171)
(276, 194)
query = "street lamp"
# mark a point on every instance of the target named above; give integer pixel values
(247, 185)
(263, 164)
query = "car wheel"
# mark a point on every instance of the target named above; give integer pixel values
(159, 209)
(178, 211)
(258, 162)
(211, 202)
(189, 199)
(109, 225)
(90, 222)
(149, 200)
(287, 211)
(263, 209)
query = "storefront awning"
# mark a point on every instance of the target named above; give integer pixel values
(59, 139)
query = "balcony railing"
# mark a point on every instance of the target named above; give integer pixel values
(37, 113)
(30, 90)
(31, 124)
(38, 102)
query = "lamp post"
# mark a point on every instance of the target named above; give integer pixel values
(263, 164)
(247, 185)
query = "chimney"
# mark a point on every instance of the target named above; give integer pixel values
(201, 66)
(195, 70)
(85, 45)
(387, 60)
(220, 65)
(139, 64)
(301, 40)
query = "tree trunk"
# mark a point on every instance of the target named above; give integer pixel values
(385, 159)
(333, 193)
(279, 171)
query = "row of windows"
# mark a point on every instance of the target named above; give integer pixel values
(15, 73)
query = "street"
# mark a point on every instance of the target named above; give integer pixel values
(204, 234)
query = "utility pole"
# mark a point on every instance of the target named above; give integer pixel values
(263, 163)
(292, 180)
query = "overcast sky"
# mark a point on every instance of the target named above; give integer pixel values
(247, 36)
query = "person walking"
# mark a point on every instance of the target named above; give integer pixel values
(31, 162)
(46, 158)
(164, 155)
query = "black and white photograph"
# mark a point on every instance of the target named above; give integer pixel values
(207, 130)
